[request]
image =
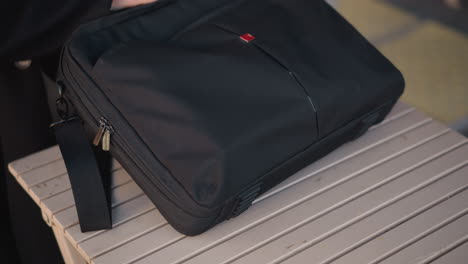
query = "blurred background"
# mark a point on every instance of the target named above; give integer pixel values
(428, 41)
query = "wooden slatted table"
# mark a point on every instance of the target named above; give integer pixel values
(399, 194)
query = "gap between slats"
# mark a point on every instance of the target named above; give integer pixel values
(420, 236)
(51, 212)
(161, 225)
(46, 173)
(395, 224)
(445, 250)
(115, 168)
(456, 255)
(113, 205)
(54, 151)
(368, 213)
(69, 188)
(115, 224)
(165, 245)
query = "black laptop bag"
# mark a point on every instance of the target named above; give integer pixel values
(207, 104)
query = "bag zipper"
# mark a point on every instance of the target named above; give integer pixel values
(106, 127)
(103, 134)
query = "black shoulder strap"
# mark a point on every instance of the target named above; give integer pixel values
(90, 181)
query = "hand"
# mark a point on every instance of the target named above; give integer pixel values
(120, 4)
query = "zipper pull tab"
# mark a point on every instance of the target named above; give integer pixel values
(106, 140)
(103, 134)
(99, 134)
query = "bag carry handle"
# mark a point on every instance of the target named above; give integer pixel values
(89, 174)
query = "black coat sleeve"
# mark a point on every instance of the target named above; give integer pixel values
(32, 28)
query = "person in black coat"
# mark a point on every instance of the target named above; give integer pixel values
(32, 33)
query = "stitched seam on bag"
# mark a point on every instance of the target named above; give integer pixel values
(287, 69)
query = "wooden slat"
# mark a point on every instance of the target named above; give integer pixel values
(434, 242)
(68, 217)
(157, 239)
(121, 234)
(323, 251)
(34, 161)
(43, 173)
(65, 200)
(120, 214)
(61, 183)
(403, 229)
(454, 256)
(46, 172)
(49, 188)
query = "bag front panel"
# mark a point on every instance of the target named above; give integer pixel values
(216, 111)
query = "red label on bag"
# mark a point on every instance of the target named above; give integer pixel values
(247, 37)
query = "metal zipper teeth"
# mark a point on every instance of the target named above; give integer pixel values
(119, 142)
